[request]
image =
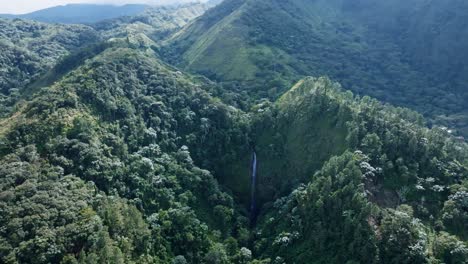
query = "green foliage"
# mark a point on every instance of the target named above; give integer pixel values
(391, 50)
(323, 222)
(155, 22)
(49, 217)
(125, 123)
(113, 122)
(449, 249)
(316, 120)
(28, 49)
(403, 239)
(455, 213)
(395, 161)
(121, 158)
(36, 54)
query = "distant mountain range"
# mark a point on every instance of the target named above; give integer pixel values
(81, 13)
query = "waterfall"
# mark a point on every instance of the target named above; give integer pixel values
(253, 184)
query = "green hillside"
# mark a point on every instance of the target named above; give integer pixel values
(32, 49)
(195, 135)
(357, 161)
(407, 53)
(126, 135)
(29, 49)
(116, 129)
(155, 22)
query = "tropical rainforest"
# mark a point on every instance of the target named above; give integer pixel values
(237, 131)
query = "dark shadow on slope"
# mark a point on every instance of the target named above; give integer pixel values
(66, 65)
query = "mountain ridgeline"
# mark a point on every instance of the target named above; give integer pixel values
(194, 134)
(409, 53)
(80, 13)
(35, 53)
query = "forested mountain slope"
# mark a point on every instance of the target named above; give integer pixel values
(105, 157)
(32, 49)
(28, 49)
(95, 168)
(359, 161)
(409, 53)
(155, 22)
(113, 155)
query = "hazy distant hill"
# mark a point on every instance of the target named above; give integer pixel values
(81, 13)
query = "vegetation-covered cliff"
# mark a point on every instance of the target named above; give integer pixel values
(111, 154)
(408, 53)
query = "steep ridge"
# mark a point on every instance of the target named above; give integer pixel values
(374, 48)
(34, 51)
(315, 120)
(357, 159)
(117, 126)
(123, 158)
(155, 22)
(29, 49)
(125, 134)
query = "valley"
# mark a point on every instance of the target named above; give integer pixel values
(241, 131)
